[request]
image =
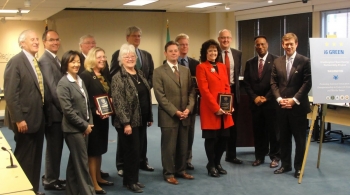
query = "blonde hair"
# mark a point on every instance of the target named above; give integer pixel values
(289, 36)
(181, 36)
(90, 61)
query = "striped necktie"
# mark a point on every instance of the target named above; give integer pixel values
(176, 72)
(40, 78)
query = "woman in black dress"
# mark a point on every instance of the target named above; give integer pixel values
(97, 84)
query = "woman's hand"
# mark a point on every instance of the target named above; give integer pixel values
(88, 130)
(220, 112)
(127, 129)
(149, 124)
(102, 116)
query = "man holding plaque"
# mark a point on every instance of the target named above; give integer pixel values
(290, 84)
(257, 77)
(184, 60)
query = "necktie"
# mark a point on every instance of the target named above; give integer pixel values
(40, 78)
(176, 72)
(289, 66)
(261, 66)
(227, 63)
(138, 63)
(183, 62)
(58, 61)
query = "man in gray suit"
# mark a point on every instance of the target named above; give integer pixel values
(51, 70)
(24, 95)
(175, 95)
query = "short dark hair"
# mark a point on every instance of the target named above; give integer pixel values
(45, 34)
(205, 47)
(66, 58)
(260, 36)
(170, 43)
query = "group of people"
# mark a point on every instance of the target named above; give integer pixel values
(55, 98)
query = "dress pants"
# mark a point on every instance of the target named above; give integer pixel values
(265, 130)
(231, 141)
(54, 146)
(292, 125)
(131, 147)
(174, 143)
(77, 175)
(191, 131)
(28, 152)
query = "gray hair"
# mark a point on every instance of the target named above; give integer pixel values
(181, 36)
(125, 49)
(224, 30)
(81, 40)
(133, 29)
(23, 36)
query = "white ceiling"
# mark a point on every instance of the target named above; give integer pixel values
(43, 9)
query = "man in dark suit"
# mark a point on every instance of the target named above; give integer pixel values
(51, 70)
(146, 65)
(232, 59)
(24, 95)
(175, 95)
(257, 76)
(183, 41)
(290, 84)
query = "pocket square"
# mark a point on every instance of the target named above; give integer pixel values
(296, 72)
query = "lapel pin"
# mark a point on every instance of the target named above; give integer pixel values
(212, 70)
(296, 72)
(94, 77)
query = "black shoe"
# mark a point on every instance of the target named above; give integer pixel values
(107, 183)
(120, 172)
(54, 186)
(61, 181)
(100, 192)
(103, 174)
(212, 172)
(40, 193)
(140, 185)
(297, 174)
(221, 170)
(145, 166)
(233, 160)
(134, 188)
(257, 162)
(189, 166)
(282, 170)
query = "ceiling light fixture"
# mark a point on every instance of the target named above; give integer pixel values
(19, 12)
(269, 1)
(203, 5)
(27, 3)
(227, 6)
(3, 20)
(12, 11)
(140, 2)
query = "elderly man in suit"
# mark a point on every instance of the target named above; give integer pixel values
(175, 95)
(232, 59)
(183, 41)
(51, 70)
(25, 115)
(257, 76)
(290, 84)
(145, 64)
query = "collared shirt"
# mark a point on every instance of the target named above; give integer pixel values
(54, 56)
(80, 84)
(232, 64)
(171, 66)
(30, 58)
(263, 58)
(138, 53)
(185, 61)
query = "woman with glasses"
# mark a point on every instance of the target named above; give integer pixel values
(97, 84)
(132, 96)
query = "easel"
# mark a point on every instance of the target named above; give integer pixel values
(313, 118)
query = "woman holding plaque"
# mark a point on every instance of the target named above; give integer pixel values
(215, 122)
(76, 124)
(97, 85)
(132, 96)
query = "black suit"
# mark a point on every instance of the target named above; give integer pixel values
(264, 116)
(105, 71)
(231, 143)
(292, 121)
(147, 69)
(51, 71)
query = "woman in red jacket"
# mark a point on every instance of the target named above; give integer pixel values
(215, 122)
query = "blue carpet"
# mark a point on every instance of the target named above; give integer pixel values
(332, 177)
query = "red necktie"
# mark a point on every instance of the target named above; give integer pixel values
(261, 66)
(227, 63)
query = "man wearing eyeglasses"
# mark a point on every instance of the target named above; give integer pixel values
(51, 70)
(145, 64)
(232, 59)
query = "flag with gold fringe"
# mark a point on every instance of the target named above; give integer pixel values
(167, 31)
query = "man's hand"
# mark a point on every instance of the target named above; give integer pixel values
(287, 103)
(22, 127)
(259, 100)
(186, 113)
(180, 115)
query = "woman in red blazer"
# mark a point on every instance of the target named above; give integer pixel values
(215, 123)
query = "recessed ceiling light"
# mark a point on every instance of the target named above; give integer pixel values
(203, 5)
(140, 2)
(269, 1)
(14, 11)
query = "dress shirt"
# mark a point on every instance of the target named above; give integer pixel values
(54, 56)
(232, 64)
(30, 58)
(185, 61)
(263, 58)
(171, 66)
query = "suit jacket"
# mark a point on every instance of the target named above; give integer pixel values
(298, 85)
(237, 57)
(105, 70)
(256, 86)
(51, 71)
(73, 105)
(22, 94)
(173, 95)
(147, 65)
(210, 84)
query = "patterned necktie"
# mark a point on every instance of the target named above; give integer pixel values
(40, 78)
(183, 62)
(289, 66)
(227, 63)
(261, 66)
(176, 72)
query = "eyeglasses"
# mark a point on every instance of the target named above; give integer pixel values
(223, 38)
(129, 57)
(54, 40)
(183, 45)
(90, 43)
(102, 57)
